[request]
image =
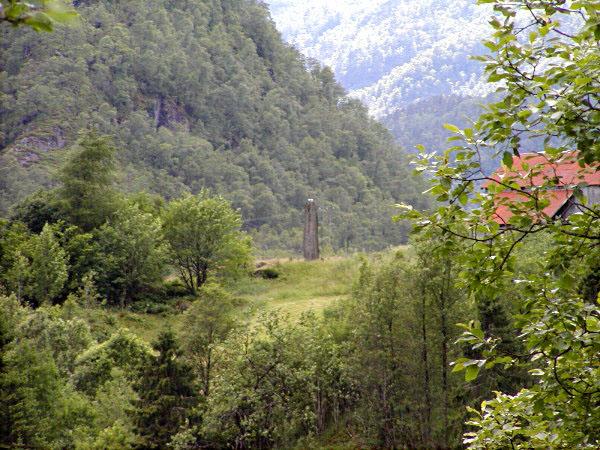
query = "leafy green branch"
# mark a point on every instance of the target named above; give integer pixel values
(41, 15)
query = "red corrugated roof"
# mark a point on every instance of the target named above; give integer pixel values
(563, 172)
(557, 198)
(531, 170)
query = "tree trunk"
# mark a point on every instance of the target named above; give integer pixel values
(444, 330)
(444, 303)
(207, 373)
(188, 279)
(201, 274)
(158, 103)
(319, 409)
(427, 380)
(123, 297)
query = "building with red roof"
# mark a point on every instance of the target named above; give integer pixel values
(536, 176)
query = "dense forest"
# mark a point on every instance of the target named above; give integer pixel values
(130, 303)
(202, 94)
(75, 259)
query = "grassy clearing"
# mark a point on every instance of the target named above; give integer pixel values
(301, 286)
(104, 322)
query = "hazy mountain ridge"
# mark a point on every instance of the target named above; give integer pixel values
(391, 52)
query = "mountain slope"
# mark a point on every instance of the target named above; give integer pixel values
(391, 52)
(201, 94)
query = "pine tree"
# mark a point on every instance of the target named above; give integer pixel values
(32, 390)
(167, 394)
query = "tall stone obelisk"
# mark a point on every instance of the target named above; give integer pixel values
(311, 231)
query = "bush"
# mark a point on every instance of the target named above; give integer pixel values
(175, 288)
(268, 273)
(151, 307)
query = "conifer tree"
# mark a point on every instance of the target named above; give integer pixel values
(33, 390)
(167, 394)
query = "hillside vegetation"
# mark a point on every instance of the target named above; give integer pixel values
(408, 61)
(135, 315)
(300, 287)
(201, 94)
(390, 53)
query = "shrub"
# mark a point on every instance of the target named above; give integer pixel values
(268, 273)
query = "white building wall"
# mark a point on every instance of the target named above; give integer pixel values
(592, 195)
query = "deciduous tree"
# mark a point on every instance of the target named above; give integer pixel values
(87, 181)
(134, 255)
(546, 57)
(204, 237)
(207, 324)
(48, 271)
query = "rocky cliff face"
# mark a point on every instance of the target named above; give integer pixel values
(29, 147)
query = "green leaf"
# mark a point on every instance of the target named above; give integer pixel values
(450, 127)
(61, 16)
(580, 81)
(524, 114)
(507, 159)
(15, 11)
(532, 37)
(592, 324)
(39, 22)
(459, 364)
(503, 360)
(471, 372)
(477, 332)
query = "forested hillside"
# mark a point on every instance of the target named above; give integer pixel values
(130, 320)
(390, 53)
(422, 122)
(201, 94)
(409, 61)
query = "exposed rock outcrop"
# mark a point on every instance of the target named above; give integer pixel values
(28, 148)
